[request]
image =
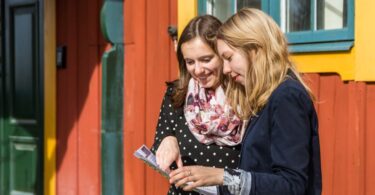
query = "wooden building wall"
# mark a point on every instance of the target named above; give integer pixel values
(345, 108)
(149, 62)
(78, 98)
(347, 134)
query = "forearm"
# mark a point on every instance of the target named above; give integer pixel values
(236, 181)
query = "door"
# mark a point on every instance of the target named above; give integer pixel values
(21, 91)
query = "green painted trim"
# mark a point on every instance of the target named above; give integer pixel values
(112, 121)
(274, 11)
(233, 6)
(350, 18)
(2, 63)
(112, 89)
(112, 166)
(321, 47)
(112, 21)
(202, 7)
(112, 182)
(319, 36)
(265, 6)
(2, 148)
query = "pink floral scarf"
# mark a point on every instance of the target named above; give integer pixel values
(210, 118)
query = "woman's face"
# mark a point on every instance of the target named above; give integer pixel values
(202, 62)
(235, 62)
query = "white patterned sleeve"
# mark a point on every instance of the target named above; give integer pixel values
(236, 181)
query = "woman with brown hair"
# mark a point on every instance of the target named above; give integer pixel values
(196, 124)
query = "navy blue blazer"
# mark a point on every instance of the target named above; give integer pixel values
(281, 144)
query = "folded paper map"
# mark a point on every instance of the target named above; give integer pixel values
(149, 158)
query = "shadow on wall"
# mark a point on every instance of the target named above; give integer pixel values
(79, 97)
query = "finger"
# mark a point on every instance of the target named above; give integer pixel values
(181, 183)
(175, 178)
(159, 158)
(163, 167)
(191, 186)
(184, 181)
(188, 187)
(179, 162)
(176, 171)
(179, 174)
(165, 164)
(159, 162)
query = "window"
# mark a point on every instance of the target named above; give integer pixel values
(317, 25)
(222, 9)
(310, 25)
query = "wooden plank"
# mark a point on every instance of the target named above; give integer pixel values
(79, 105)
(340, 138)
(369, 163)
(173, 74)
(67, 111)
(89, 122)
(157, 73)
(129, 23)
(326, 111)
(134, 97)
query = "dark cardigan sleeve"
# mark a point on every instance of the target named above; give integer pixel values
(290, 139)
(164, 127)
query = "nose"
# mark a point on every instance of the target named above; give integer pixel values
(198, 69)
(226, 68)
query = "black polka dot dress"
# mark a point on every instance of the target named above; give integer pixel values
(172, 123)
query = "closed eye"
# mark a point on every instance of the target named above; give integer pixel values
(206, 59)
(189, 62)
(228, 58)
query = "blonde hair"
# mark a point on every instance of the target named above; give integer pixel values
(252, 30)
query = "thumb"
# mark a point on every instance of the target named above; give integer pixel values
(179, 162)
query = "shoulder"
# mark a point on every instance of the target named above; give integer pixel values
(171, 86)
(292, 91)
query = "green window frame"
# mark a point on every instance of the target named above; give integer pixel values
(308, 40)
(203, 8)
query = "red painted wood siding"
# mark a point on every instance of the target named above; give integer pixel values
(345, 109)
(347, 134)
(78, 98)
(149, 62)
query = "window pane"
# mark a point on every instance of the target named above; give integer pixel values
(222, 9)
(249, 3)
(331, 14)
(298, 14)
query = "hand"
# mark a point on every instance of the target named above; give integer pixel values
(168, 152)
(195, 176)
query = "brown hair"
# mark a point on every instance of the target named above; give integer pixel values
(204, 27)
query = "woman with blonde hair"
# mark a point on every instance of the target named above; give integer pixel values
(280, 150)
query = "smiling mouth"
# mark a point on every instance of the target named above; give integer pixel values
(204, 78)
(235, 77)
